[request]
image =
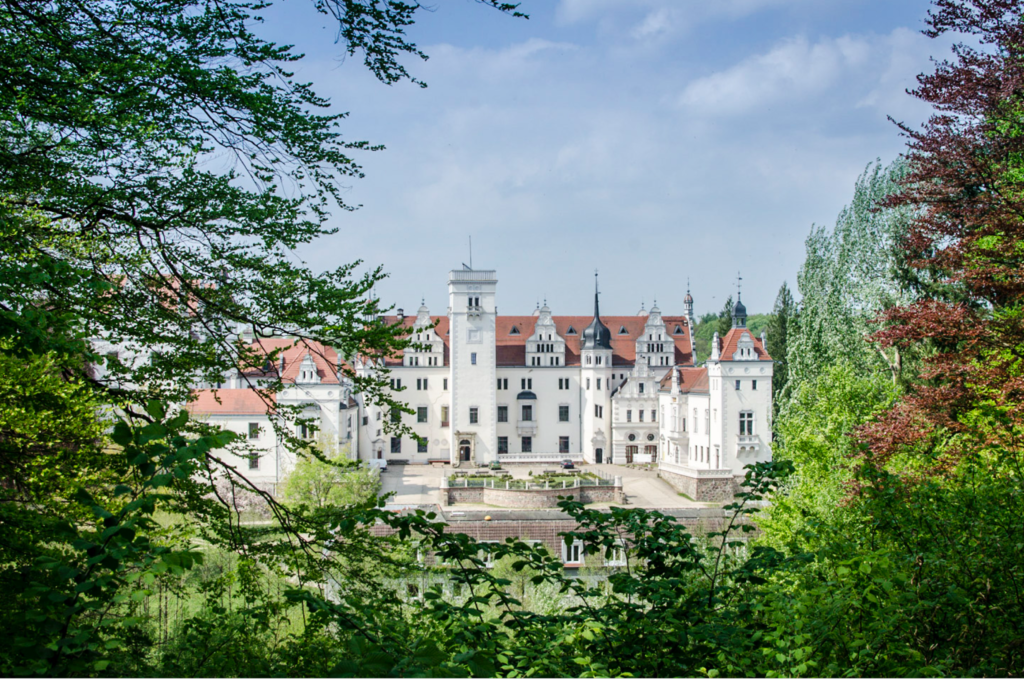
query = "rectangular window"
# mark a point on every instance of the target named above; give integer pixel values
(563, 444)
(502, 444)
(472, 358)
(753, 385)
(654, 416)
(396, 416)
(424, 383)
(641, 415)
(641, 387)
(421, 414)
(254, 430)
(444, 416)
(421, 445)
(599, 384)
(254, 461)
(527, 444)
(419, 384)
(707, 421)
(572, 554)
(527, 413)
(502, 413)
(474, 415)
(366, 420)
(444, 384)
(746, 424)
(529, 383)
(737, 385)
(598, 411)
(396, 444)
(588, 383)
(629, 416)
(563, 413)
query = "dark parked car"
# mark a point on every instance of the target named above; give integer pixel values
(567, 464)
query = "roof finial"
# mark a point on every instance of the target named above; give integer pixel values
(597, 312)
(739, 285)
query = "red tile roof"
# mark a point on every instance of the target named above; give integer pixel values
(231, 402)
(690, 380)
(293, 352)
(511, 349)
(730, 343)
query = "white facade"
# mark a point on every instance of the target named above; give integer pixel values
(592, 388)
(484, 388)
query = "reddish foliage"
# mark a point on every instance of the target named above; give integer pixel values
(968, 185)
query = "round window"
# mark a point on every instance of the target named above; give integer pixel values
(650, 437)
(632, 437)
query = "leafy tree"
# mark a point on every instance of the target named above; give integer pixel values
(850, 275)
(725, 318)
(159, 164)
(783, 316)
(330, 481)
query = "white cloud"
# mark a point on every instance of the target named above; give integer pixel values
(790, 70)
(657, 11)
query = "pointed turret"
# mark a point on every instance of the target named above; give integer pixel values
(596, 335)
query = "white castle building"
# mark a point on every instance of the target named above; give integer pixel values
(485, 388)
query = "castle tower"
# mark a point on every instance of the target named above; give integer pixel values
(472, 314)
(595, 373)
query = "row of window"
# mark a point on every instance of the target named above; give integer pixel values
(526, 412)
(526, 444)
(629, 415)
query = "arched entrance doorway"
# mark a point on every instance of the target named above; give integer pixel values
(465, 450)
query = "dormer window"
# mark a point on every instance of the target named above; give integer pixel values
(678, 330)
(514, 331)
(570, 331)
(622, 330)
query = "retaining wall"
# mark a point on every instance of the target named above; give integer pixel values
(530, 499)
(703, 489)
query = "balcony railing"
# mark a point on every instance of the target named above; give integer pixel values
(471, 275)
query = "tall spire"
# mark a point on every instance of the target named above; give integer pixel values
(596, 335)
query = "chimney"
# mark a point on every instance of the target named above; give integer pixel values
(675, 381)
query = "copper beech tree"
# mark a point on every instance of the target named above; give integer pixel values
(967, 185)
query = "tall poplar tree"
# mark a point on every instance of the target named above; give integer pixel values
(780, 321)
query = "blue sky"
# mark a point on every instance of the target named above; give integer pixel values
(654, 140)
